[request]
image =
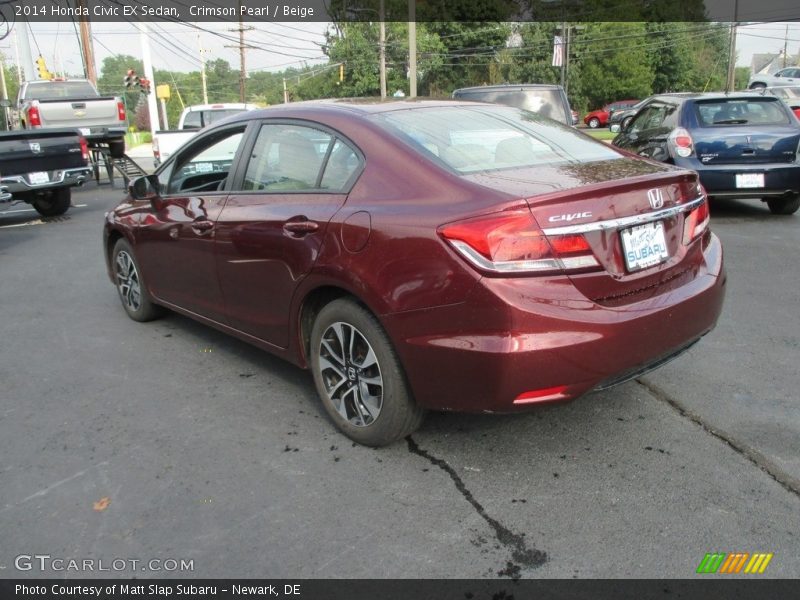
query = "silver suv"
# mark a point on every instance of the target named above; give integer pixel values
(787, 76)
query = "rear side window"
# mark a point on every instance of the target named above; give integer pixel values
(60, 89)
(736, 111)
(469, 139)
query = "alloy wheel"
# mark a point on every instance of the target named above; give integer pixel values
(128, 281)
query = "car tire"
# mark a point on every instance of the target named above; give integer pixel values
(116, 148)
(54, 204)
(593, 123)
(783, 206)
(131, 288)
(758, 86)
(359, 377)
(626, 121)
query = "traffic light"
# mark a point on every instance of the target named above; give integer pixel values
(42, 68)
(145, 85)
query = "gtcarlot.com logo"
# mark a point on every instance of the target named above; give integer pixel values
(733, 563)
(46, 562)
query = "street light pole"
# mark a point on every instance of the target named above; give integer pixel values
(382, 48)
(412, 48)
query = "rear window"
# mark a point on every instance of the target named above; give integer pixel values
(54, 90)
(197, 119)
(542, 101)
(479, 138)
(741, 111)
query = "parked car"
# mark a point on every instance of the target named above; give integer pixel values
(423, 255)
(74, 103)
(42, 167)
(191, 120)
(789, 94)
(622, 116)
(599, 118)
(742, 145)
(787, 76)
(543, 99)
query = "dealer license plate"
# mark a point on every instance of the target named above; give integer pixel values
(644, 246)
(39, 177)
(749, 180)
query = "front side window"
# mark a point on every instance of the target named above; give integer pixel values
(206, 165)
(469, 139)
(287, 158)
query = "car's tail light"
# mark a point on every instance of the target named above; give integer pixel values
(121, 110)
(511, 242)
(34, 119)
(696, 222)
(84, 149)
(680, 143)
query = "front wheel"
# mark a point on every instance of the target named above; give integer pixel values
(117, 148)
(359, 377)
(132, 291)
(783, 206)
(54, 204)
(594, 123)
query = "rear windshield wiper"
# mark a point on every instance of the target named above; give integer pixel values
(731, 122)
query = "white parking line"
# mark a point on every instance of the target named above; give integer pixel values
(36, 222)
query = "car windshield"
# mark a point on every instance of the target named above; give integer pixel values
(53, 90)
(469, 139)
(741, 111)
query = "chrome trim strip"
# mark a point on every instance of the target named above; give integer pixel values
(625, 221)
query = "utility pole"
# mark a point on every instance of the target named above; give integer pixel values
(241, 47)
(732, 55)
(412, 48)
(785, 44)
(19, 66)
(382, 47)
(27, 58)
(87, 44)
(203, 69)
(285, 92)
(4, 91)
(152, 106)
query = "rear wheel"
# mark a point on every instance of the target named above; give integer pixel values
(359, 377)
(132, 291)
(54, 204)
(783, 206)
(594, 123)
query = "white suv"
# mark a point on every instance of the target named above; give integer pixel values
(787, 76)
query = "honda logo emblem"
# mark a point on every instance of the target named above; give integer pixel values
(655, 197)
(36, 147)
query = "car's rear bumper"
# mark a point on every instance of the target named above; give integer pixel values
(540, 338)
(59, 178)
(780, 179)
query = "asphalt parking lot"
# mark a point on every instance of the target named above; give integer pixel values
(169, 440)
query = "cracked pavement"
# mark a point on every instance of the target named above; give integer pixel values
(197, 446)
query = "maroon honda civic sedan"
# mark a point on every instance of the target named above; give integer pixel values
(423, 255)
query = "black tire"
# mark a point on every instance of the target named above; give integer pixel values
(117, 148)
(359, 377)
(758, 86)
(626, 121)
(783, 206)
(54, 204)
(130, 285)
(594, 123)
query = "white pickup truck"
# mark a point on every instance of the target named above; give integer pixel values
(193, 118)
(75, 104)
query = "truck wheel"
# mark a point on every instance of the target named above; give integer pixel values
(54, 204)
(117, 148)
(130, 285)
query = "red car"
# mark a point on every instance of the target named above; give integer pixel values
(423, 255)
(599, 118)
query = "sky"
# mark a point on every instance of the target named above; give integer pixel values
(276, 46)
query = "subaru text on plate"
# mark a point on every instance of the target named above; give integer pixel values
(423, 255)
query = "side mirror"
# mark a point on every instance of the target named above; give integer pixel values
(146, 188)
(615, 128)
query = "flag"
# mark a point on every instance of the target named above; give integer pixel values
(558, 51)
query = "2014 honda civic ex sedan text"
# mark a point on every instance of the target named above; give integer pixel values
(423, 255)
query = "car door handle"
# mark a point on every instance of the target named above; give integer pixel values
(203, 225)
(300, 228)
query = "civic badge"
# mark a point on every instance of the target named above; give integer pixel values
(36, 147)
(655, 197)
(80, 113)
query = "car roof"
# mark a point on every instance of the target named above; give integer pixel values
(683, 96)
(509, 87)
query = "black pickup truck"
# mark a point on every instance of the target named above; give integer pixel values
(41, 167)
